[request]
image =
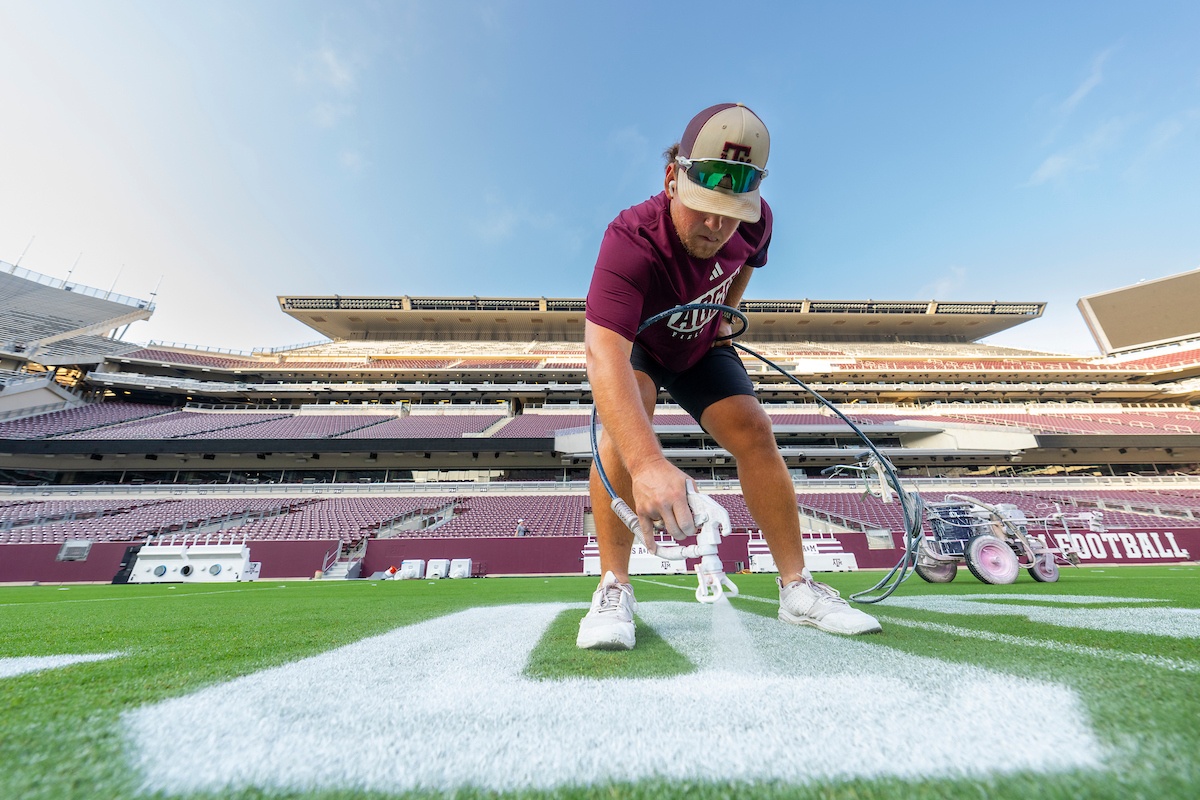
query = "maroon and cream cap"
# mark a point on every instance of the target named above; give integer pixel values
(727, 131)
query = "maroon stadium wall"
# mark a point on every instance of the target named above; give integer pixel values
(26, 563)
(1123, 546)
(291, 559)
(530, 555)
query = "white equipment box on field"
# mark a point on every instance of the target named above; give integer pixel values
(411, 569)
(640, 562)
(437, 568)
(821, 554)
(460, 568)
(193, 560)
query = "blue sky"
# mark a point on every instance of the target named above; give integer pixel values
(235, 151)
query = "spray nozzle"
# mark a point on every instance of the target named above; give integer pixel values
(712, 522)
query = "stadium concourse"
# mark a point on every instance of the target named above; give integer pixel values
(424, 428)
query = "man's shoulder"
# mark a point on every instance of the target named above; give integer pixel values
(759, 233)
(639, 232)
(646, 216)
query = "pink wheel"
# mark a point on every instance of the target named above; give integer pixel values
(1044, 569)
(991, 560)
(932, 570)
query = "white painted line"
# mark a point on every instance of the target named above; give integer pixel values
(692, 588)
(1145, 659)
(157, 596)
(1177, 623)
(450, 709)
(11, 667)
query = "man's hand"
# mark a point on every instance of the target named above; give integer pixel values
(660, 497)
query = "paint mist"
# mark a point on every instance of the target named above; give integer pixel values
(732, 646)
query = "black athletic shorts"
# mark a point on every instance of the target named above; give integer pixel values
(719, 374)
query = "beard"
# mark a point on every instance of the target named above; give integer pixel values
(697, 247)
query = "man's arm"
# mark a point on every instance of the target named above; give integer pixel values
(659, 488)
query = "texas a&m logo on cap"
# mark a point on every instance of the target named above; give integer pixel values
(736, 152)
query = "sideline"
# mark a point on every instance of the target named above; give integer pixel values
(159, 596)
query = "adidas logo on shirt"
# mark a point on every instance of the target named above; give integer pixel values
(716, 273)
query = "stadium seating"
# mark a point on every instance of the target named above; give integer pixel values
(536, 426)
(348, 519)
(302, 426)
(450, 426)
(497, 515)
(175, 425)
(89, 417)
(195, 359)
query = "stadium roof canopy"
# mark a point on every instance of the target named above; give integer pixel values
(558, 319)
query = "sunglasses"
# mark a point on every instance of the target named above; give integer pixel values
(717, 173)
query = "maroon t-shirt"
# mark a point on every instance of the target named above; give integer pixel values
(643, 270)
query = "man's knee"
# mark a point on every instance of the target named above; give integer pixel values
(739, 422)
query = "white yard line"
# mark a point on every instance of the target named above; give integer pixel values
(451, 709)
(1133, 616)
(1173, 664)
(11, 667)
(962, 604)
(150, 596)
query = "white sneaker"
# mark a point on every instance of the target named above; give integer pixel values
(609, 623)
(807, 602)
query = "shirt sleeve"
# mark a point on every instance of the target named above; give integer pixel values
(620, 282)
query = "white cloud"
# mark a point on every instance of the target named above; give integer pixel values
(1067, 107)
(328, 115)
(1080, 157)
(950, 284)
(1161, 139)
(334, 70)
(1094, 78)
(352, 160)
(330, 78)
(1053, 167)
(500, 221)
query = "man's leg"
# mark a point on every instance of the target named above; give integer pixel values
(740, 425)
(608, 625)
(612, 537)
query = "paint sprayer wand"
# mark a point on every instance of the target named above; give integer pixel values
(712, 522)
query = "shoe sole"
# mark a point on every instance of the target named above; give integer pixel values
(792, 619)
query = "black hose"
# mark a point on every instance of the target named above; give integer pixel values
(911, 504)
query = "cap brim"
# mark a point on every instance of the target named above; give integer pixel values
(746, 206)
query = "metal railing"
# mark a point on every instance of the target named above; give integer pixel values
(573, 487)
(198, 347)
(78, 288)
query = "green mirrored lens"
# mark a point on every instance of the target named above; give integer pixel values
(733, 177)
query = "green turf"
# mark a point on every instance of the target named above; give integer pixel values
(60, 734)
(556, 655)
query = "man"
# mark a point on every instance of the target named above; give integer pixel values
(698, 241)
